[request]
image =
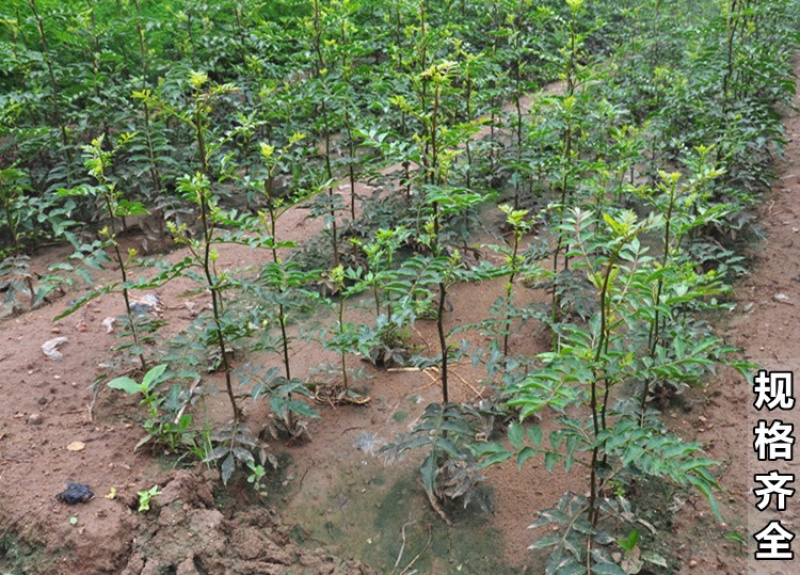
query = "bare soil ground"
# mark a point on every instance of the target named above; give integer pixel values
(336, 492)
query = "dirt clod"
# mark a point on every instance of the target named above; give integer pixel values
(189, 536)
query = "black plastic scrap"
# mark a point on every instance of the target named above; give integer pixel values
(75, 493)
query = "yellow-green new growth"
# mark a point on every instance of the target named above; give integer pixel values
(575, 5)
(197, 79)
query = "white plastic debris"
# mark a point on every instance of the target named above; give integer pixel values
(782, 298)
(146, 304)
(108, 323)
(50, 348)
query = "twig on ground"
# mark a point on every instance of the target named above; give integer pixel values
(402, 546)
(405, 571)
(478, 394)
(427, 345)
(434, 380)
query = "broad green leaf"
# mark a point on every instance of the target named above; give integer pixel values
(657, 559)
(629, 542)
(524, 455)
(495, 459)
(571, 567)
(151, 378)
(83, 300)
(607, 569)
(550, 460)
(228, 467)
(142, 441)
(125, 384)
(544, 542)
(217, 453)
(535, 435)
(428, 472)
(243, 454)
(303, 409)
(516, 434)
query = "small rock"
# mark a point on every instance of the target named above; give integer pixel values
(692, 564)
(42, 400)
(187, 567)
(75, 493)
(35, 419)
(76, 446)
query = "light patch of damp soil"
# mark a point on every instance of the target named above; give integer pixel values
(358, 506)
(19, 556)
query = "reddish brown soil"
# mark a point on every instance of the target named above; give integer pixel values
(46, 408)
